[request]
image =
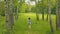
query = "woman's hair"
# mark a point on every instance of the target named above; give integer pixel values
(29, 18)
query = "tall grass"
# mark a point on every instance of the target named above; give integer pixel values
(37, 27)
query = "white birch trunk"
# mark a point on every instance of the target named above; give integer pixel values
(57, 15)
(50, 19)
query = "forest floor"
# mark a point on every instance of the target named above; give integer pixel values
(37, 27)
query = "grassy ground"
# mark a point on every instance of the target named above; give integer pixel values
(38, 27)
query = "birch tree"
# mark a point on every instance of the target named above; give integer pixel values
(57, 16)
(59, 10)
(6, 16)
(9, 16)
(47, 11)
(36, 4)
(17, 9)
(43, 10)
(50, 18)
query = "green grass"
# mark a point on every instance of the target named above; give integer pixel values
(38, 27)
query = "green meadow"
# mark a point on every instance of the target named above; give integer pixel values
(37, 27)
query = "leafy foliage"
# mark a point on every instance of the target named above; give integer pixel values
(23, 6)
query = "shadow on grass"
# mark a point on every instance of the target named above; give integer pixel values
(49, 32)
